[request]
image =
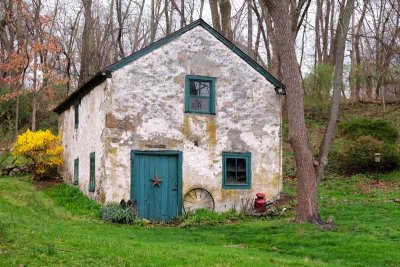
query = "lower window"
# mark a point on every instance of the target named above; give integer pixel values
(236, 170)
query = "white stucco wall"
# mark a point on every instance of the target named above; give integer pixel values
(146, 110)
(87, 138)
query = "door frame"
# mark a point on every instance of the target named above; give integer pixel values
(176, 153)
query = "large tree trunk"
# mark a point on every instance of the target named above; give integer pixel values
(340, 44)
(225, 9)
(307, 208)
(215, 15)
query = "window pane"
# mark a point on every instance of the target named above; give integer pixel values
(200, 88)
(230, 171)
(241, 171)
(199, 103)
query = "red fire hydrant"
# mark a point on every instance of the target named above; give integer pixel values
(259, 202)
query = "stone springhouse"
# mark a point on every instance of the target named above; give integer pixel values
(188, 121)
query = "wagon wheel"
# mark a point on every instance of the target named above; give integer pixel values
(198, 198)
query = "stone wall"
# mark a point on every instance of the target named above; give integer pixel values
(87, 138)
(146, 112)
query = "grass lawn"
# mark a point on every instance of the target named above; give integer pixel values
(39, 229)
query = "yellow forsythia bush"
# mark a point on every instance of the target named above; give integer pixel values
(42, 149)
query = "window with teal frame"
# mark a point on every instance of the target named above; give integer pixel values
(76, 171)
(236, 170)
(200, 94)
(92, 179)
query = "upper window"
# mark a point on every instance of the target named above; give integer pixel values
(236, 170)
(76, 107)
(200, 94)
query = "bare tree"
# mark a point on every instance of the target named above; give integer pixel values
(340, 44)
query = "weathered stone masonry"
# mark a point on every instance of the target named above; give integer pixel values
(142, 108)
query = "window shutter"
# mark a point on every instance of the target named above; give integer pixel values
(92, 179)
(76, 171)
(76, 115)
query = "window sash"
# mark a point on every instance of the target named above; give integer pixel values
(200, 97)
(92, 179)
(189, 96)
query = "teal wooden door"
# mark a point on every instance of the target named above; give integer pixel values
(155, 185)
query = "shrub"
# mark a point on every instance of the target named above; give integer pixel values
(358, 156)
(41, 149)
(378, 129)
(209, 217)
(318, 82)
(116, 213)
(73, 200)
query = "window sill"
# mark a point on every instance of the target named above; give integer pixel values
(235, 187)
(199, 113)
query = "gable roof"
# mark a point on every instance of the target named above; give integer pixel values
(102, 75)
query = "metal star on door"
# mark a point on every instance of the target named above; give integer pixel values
(156, 182)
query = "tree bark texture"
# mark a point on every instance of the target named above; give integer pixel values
(225, 9)
(215, 15)
(307, 208)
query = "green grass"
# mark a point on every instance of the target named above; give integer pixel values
(39, 228)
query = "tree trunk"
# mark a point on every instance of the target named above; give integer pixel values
(153, 25)
(34, 87)
(167, 18)
(249, 28)
(274, 64)
(357, 55)
(318, 52)
(183, 22)
(201, 8)
(330, 131)
(225, 9)
(325, 32)
(215, 15)
(87, 42)
(120, 28)
(307, 208)
(332, 33)
(20, 39)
